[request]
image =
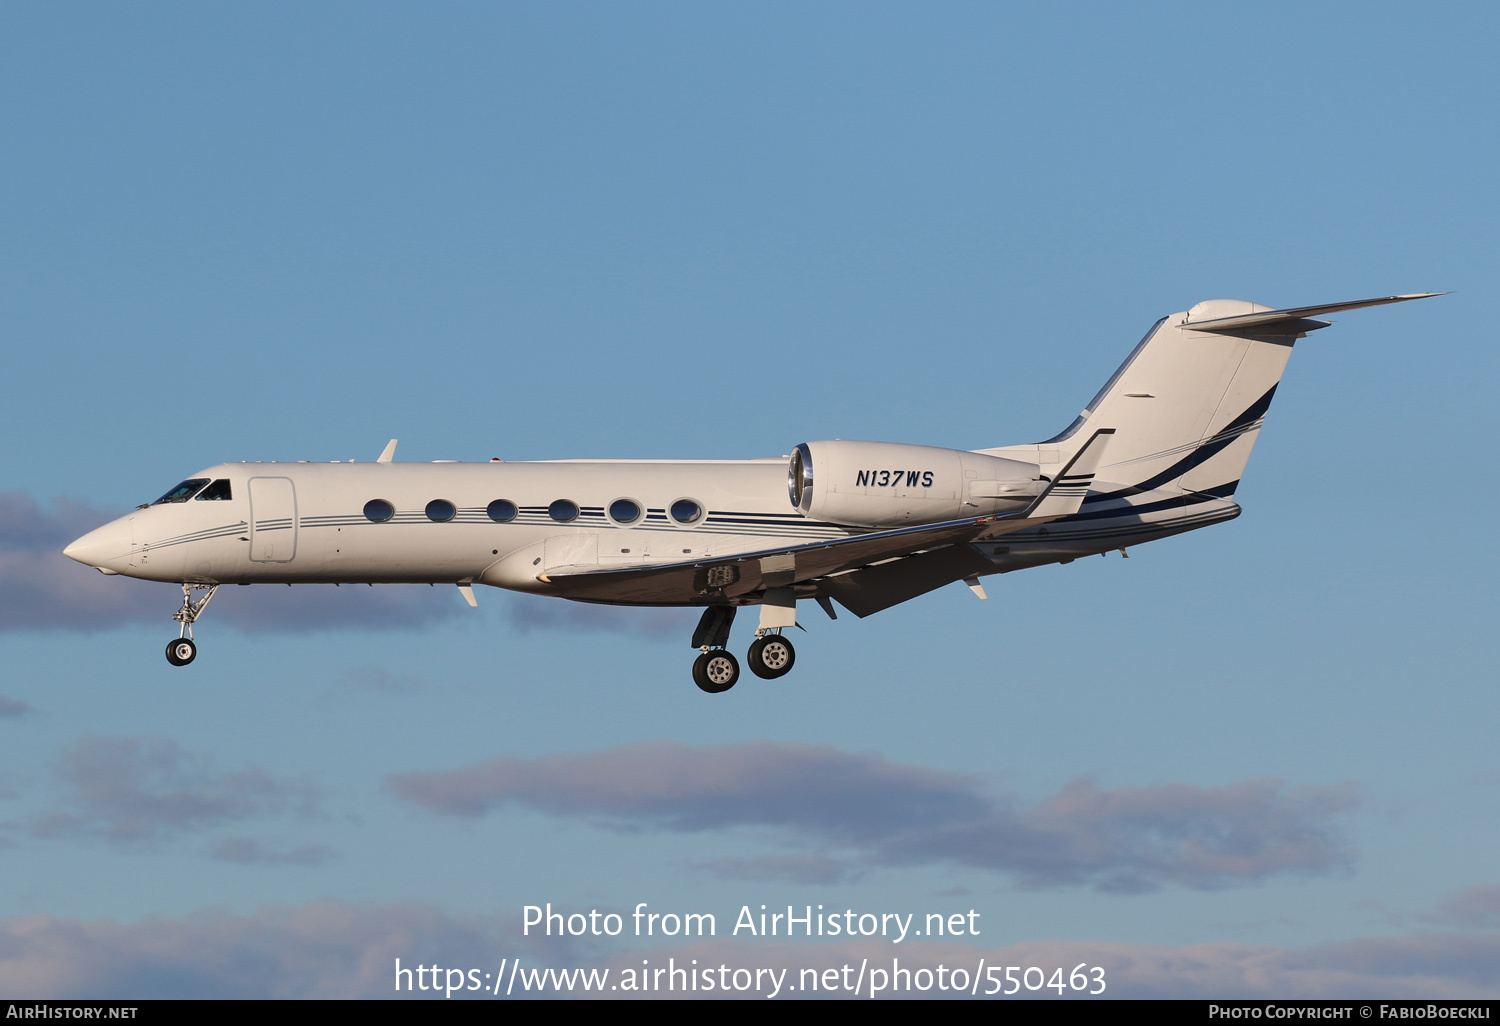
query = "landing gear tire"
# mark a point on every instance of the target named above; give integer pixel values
(771, 656)
(716, 671)
(181, 651)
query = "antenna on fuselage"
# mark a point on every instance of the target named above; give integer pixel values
(389, 453)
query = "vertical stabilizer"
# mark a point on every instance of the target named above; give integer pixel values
(1188, 403)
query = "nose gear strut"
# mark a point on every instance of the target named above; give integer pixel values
(184, 650)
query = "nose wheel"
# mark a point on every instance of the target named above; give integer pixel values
(181, 651)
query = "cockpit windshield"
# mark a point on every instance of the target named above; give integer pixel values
(183, 492)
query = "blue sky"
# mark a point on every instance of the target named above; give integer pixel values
(668, 230)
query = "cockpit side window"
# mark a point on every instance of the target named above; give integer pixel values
(218, 490)
(183, 492)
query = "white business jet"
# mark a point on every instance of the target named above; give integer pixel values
(1157, 452)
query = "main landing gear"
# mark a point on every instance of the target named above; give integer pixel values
(194, 598)
(716, 670)
(771, 656)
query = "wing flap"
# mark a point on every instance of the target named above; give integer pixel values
(874, 588)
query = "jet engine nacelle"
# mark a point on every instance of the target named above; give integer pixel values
(887, 484)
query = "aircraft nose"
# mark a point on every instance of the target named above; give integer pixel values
(100, 547)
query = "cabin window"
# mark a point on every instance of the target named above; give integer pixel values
(378, 511)
(687, 511)
(563, 510)
(502, 511)
(440, 511)
(183, 492)
(625, 511)
(218, 490)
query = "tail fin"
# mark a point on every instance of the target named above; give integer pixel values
(1188, 403)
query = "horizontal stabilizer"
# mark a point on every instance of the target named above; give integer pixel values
(1294, 320)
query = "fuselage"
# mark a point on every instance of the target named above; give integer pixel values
(308, 522)
(508, 524)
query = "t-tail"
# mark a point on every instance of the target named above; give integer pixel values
(1186, 406)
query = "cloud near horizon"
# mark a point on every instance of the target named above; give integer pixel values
(533, 612)
(132, 789)
(247, 851)
(40, 589)
(13, 708)
(1475, 907)
(336, 949)
(324, 949)
(849, 813)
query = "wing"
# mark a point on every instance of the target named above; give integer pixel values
(727, 578)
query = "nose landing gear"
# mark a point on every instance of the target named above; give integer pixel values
(183, 650)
